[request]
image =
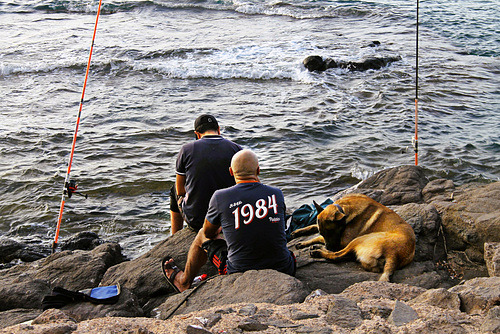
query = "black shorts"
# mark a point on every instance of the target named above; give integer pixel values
(173, 200)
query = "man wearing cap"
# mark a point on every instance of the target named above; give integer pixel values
(202, 167)
(251, 216)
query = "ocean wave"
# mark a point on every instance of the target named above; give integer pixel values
(294, 9)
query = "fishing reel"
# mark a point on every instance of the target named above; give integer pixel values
(70, 189)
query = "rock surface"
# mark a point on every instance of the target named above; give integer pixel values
(446, 288)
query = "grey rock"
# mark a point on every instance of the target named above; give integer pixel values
(126, 306)
(438, 190)
(143, 275)
(344, 312)
(379, 290)
(17, 316)
(248, 310)
(491, 323)
(252, 325)
(478, 295)
(195, 329)
(439, 298)
(402, 314)
(24, 285)
(395, 186)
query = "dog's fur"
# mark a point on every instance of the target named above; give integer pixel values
(358, 225)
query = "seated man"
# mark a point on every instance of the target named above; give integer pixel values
(316, 63)
(202, 167)
(251, 216)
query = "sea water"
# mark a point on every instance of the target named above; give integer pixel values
(157, 65)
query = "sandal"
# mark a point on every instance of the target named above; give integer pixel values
(170, 280)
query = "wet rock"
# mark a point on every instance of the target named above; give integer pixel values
(83, 241)
(11, 250)
(395, 186)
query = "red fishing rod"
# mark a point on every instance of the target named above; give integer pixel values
(70, 187)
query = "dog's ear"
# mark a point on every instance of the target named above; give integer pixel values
(318, 207)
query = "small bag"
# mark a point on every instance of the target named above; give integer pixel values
(100, 295)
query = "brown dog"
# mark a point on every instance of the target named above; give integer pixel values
(358, 225)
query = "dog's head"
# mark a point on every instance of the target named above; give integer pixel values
(331, 225)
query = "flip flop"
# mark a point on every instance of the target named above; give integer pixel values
(170, 280)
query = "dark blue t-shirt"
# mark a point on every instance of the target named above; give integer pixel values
(252, 216)
(205, 164)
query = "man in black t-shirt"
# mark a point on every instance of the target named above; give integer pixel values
(202, 167)
(252, 218)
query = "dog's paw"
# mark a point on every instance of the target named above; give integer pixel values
(316, 247)
(299, 246)
(315, 252)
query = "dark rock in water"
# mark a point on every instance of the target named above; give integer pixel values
(11, 250)
(83, 241)
(318, 64)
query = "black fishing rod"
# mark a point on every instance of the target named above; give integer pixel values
(415, 139)
(70, 187)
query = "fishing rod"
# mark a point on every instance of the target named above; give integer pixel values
(70, 187)
(415, 138)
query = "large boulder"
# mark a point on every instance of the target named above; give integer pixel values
(469, 221)
(425, 221)
(143, 276)
(478, 295)
(253, 286)
(395, 186)
(24, 285)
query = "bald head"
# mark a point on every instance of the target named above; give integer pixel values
(245, 165)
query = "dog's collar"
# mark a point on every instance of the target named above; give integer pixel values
(340, 208)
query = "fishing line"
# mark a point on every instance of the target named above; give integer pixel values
(70, 187)
(415, 138)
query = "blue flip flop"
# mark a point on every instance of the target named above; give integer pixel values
(170, 280)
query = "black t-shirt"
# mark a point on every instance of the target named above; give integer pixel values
(252, 216)
(205, 164)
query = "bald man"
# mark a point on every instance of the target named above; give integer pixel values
(251, 216)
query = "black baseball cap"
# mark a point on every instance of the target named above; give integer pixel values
(205, 122)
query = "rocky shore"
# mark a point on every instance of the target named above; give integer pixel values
(452, 286)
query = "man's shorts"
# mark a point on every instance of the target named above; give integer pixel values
(217, 254)
(173, 200)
